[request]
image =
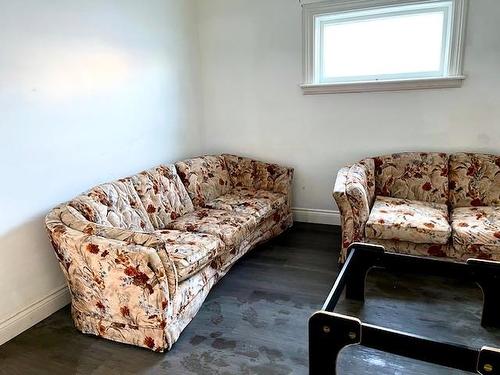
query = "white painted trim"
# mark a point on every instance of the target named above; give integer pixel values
(310, 77)
(309, 215)
(389, 85)
(34, 313)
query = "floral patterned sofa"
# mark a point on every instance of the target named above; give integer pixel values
(431, 204)
(140, 254)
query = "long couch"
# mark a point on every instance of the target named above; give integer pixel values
(426, 204)
(141, 254)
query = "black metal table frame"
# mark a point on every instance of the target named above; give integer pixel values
(330, 332)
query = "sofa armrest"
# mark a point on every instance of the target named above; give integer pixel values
(71, 218)
(249, 173)
(117, 288)
(352, 195)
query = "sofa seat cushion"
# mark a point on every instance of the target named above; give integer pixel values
(190, 251)
(406, 220)
(476, 230)
(232, 228)
(259, 203)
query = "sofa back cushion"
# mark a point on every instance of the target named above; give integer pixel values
(421, 176)
(474, 180)
(254, 174)
(162, 194)
(115, 204)
(205, 178)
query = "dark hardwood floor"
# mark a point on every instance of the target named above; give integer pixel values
(255, 320)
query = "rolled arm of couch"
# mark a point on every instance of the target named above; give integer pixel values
(152, 244)
(352, 195)
(119, 290)
(246, 172)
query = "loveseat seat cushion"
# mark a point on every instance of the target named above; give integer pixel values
(190, 251)
(205, 178)
(406, 220)
(259, 203)
(476, 231)
(421, 176)
(162, 194)
(474, 180)
(232, 228)
(115, 204)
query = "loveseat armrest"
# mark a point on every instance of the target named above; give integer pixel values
(352, 195)
(250, 173)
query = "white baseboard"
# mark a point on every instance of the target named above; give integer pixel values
(309, 215)
(34, 313)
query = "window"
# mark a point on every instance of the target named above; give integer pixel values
(376, 45)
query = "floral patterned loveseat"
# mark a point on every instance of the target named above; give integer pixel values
(140, 254)
(432, 204)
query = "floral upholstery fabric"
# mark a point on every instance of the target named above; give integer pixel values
(476, 231)
(258, 175)
(369, 172)
(352, 227)
(133, 283)
(115, 204)
(268, 228)
(412, 248)
(205, 178)
(417, 176)
(162, 194)
(119, 282)
(405, 220)
(189, 251)
(247, 201)
(467, 183)
(474, 180)
(358, 191)
(74, 220)
(354, 194)
(230, 227)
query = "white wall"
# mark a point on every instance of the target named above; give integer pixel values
(251, 63)
(90, 91)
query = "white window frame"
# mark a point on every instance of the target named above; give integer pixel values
(313, 13)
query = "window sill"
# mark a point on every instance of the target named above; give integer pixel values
(389, 85)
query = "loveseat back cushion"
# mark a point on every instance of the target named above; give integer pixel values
(474, 180)
(406, 220)
(421, 176)
(114, 204)
(162, 194)
(205, 178)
